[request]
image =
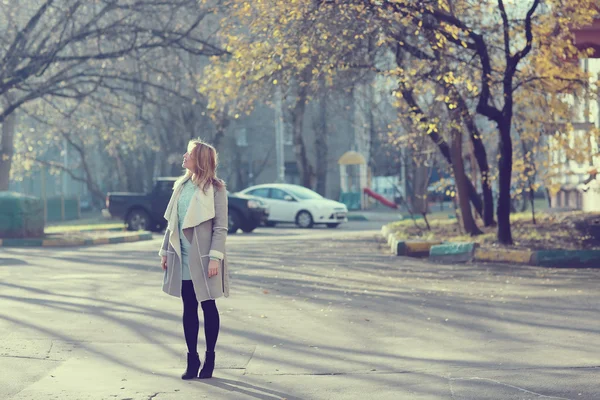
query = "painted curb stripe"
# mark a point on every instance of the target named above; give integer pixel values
(414, 248)
(357, 218)
(123, 229)
(453, 252)
(100, 241)
(75, 242)
(567, 258)
(62, 243)
(450, 249)
(392, 239)
(503, 255)
(385, 231)
(393, 243)
(22, 242)
(133, 238)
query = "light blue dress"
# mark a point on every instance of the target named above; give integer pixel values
(183, 203)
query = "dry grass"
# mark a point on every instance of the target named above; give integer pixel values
(552, 231)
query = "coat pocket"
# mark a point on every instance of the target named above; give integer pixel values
(170, 263)
(170, 259)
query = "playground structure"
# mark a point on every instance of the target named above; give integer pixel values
(353, 177)
(355, 183)
(379, 198)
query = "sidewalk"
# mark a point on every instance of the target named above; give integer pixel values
(385, 214)
(377, 215)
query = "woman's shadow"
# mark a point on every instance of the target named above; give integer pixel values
(249, 390)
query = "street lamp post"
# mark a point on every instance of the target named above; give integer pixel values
(279, 136)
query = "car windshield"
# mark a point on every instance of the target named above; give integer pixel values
(303, 193)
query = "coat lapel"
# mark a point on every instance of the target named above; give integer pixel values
(171, 211)
(201, 208)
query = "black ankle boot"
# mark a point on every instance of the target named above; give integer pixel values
(193, 365)
(209, 365)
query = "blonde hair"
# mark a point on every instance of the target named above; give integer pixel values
(206, 159)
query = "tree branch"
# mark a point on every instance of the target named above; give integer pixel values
(506, 29)
(96, 192)
(528, 33)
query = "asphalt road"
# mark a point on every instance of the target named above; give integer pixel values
(313, 314)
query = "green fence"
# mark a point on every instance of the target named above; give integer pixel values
(21, 216)
(56, 211)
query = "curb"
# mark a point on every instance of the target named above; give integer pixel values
(503, 255)
(123, 229)
(412, 248)
(358, 217)
(453, 252)
(385, 231)
(76, 242)
(409, 248)
(567, 258)
(468, 252)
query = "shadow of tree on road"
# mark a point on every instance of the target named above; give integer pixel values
(374, 299)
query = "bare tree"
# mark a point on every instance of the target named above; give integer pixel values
(68, 49)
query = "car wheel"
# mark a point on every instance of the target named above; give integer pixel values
(160, 227)
(248, 229)
(304, 219)
(333, 225)
(138, 220)
(270, 224)
(234, 221)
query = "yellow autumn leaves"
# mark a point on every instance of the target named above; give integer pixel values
(277, 42)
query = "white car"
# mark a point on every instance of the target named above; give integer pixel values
(299, 205)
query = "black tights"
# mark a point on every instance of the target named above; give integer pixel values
(191, 324)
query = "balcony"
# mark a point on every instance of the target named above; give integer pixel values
(589, 38)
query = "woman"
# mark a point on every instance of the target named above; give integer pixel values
(193, 251)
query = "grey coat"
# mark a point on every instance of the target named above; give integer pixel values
(205, 227)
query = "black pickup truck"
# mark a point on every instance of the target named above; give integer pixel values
(145, 211)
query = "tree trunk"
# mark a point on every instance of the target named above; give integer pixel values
(530, 180)
(98, 195)
(321, 149)
(240, 181)
(482, 161)
(473, 196)
(420, 182)
(488, 196)
(532, 202)
(505, 170)
(297, 129)
(7, 150)
(123, 180)
(462, 184)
